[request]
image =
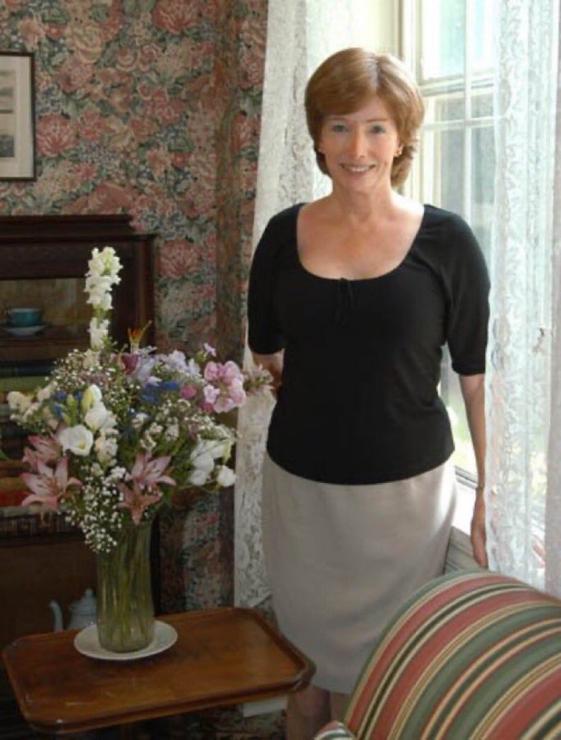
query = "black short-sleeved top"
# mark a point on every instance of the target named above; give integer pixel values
(359, 402)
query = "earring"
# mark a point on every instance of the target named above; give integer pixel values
(398, 152)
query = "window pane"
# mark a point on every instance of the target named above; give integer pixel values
(452, 395)
(482, 32)
(443, 168)
(481, 104)
(482, 185)
(445, 107)
(443, 38)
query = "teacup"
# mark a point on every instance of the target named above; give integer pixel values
(24, 316)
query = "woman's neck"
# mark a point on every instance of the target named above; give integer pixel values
(365, 207)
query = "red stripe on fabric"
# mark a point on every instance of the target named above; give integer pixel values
(528, 705)
(432, 603)
(468, 621)
(496, 658)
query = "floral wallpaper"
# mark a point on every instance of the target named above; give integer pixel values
(152, 107)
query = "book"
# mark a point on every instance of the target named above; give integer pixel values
(24, 383)
(19, 369)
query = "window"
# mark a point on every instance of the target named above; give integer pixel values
(449, 44)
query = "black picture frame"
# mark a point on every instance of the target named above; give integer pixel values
(17, 115)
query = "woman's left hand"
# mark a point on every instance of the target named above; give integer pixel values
(478, 535)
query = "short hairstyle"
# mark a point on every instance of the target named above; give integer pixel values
(347, 80)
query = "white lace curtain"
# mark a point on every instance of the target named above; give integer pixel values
(524, 375)
(300, 34)
(524, 369)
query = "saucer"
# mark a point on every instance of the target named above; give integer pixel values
(24, 331)
(87, 643)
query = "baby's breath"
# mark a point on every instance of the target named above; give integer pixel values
(117, 432)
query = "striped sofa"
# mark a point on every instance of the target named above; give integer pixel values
(473, 655)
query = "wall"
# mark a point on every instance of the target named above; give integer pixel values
(152, 107)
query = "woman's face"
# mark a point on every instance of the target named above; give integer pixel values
(359, 148)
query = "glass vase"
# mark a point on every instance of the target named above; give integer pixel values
(125, 611)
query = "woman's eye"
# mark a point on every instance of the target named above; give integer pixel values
(338, 127)
(377, 129)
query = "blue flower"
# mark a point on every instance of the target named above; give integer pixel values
(58, 410)
(169, 385)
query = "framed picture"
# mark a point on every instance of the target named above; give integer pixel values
(17, 118)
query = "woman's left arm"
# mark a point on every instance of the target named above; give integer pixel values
(473, 392)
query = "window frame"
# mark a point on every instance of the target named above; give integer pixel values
(410, 50)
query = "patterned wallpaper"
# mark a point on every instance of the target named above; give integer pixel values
(152, 107)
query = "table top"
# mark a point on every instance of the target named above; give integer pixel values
(222, 657)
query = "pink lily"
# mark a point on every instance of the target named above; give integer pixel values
(49, 485)
(136, 501)
(227, 391)
(47, 450)
(148, 472)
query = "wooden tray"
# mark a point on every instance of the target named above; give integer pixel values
(222, 657)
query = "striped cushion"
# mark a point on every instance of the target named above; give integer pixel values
(471, 655)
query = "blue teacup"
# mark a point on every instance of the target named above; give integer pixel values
(24, 316)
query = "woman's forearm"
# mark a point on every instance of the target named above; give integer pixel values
(473, 392)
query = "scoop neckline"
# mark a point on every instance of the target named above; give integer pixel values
(299, 206)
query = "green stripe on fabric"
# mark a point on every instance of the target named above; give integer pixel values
(434, 624)
(547, 726)
(459, 667)
(502, 677)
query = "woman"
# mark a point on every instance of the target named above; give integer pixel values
(351, 299)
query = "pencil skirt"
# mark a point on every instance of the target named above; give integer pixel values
(341, 559)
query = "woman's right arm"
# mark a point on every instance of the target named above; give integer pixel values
(273, 363)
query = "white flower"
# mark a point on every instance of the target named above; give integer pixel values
(198, 477)
(202, 455)
(98, 417)
(193, 369)
(99, 332)
(96, 470)
(220, 448)
(90, 359)
(174, 361)
(43, 394)
(78, 440)
(106, 449)
(18, 402)
(202, 461)
(226, 477)
(30, 410)
(172, 432)
(116, 474)
(105, 262)
(138, 420)
(92, 396)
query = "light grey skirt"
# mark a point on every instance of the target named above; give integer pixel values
(342, 559)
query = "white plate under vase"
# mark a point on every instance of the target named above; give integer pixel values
(87, 643)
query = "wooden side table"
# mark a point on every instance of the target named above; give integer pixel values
(222, 657)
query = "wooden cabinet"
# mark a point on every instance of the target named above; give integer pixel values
(43, 261)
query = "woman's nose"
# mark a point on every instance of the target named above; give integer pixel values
(357, 143)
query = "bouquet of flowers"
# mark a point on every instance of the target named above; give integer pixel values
(114, 431)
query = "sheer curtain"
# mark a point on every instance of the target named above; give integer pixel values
(553, 507)
(300, 34)
(524, 533)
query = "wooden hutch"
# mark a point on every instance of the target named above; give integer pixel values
(43, 261)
